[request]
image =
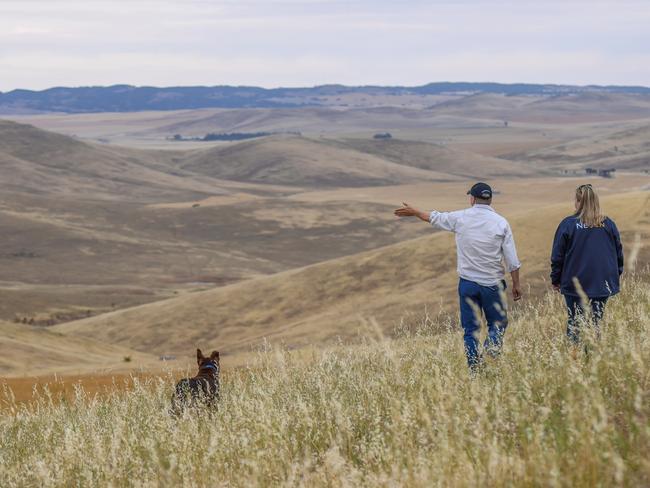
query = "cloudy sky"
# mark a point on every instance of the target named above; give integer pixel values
(270, 43)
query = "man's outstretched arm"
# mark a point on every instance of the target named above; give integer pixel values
(439, 220)
(407, 211)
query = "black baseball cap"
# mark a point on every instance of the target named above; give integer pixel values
(481, 190)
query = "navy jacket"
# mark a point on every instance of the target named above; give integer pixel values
(593, 255)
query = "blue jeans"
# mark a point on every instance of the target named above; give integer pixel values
(577, 316)
(475, 300)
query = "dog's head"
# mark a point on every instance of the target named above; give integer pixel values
(210, 363)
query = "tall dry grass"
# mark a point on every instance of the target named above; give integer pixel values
(383, 413)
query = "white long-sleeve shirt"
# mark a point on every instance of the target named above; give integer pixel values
(484, 243)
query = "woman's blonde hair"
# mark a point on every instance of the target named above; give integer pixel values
(588, 207)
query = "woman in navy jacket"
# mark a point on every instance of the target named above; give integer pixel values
(587, 252)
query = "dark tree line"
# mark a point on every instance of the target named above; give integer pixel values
(234, 136)
(229, 136)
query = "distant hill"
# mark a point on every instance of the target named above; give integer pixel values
(39, 161)
(313, 120)
(626, 148)
(292, 160)
(439, 158)
(127, 98)
(571, 107)
(304, 161)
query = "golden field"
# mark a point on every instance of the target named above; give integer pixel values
(381, 413)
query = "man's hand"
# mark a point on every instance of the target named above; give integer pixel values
(407, 211)
(556, 287)
(516, 286)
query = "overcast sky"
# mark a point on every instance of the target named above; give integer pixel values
(269, 43)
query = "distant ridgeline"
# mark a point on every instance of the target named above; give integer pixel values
(126, 98)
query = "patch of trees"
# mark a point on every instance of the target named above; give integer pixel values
(604, 173)
(234, 136)
(229, 136)
(53, 319)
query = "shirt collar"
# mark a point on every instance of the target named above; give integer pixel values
(484, 207)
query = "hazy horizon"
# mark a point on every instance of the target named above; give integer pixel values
(285, 86)
(305, 43)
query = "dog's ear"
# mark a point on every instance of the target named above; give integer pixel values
(215, 356)
(199, 356)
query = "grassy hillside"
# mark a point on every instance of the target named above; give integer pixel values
(303, 161)
(586, 107)
(386, 413)
(623, 149)
(65, 256)
(558, 109)
(338, 298)
(439, 158)
(314, 121)
(37, 161)
(90, 228)
(342, 111)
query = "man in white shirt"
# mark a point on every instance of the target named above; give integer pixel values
(484, 243)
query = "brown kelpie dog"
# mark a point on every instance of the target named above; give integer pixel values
(203, 389)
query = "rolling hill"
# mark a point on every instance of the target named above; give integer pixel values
(439, 158)
(66, 257)
(475, 111)
(591, 106)
(37, 161)
(302, 161)
(292, 160)
(623, 149)
(337, 298)
(571, 108)
(91, 228)
(314, 121)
